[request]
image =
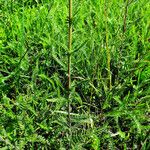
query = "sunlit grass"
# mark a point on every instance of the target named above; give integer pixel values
(110, 43)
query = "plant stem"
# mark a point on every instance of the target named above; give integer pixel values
(125, 16)
(69, 62)
(107, 48)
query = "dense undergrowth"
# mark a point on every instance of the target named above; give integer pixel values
(110, 106)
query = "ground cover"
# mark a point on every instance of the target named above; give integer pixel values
(109, 93)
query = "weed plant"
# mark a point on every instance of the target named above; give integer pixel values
(104, 73)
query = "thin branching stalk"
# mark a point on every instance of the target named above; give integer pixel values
(128, 2)
(125, 16)
(107, 48)
(124, 28)
(69, 62)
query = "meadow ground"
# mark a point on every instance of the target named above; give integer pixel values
(109, 92)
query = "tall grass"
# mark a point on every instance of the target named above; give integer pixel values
(102, 74)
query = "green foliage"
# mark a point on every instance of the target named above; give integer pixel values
(34, 78)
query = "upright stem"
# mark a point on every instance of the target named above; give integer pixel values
(69, 61)
(125, 16)
(107, 48)
(69, 44)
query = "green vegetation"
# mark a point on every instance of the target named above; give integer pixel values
(88, 91)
